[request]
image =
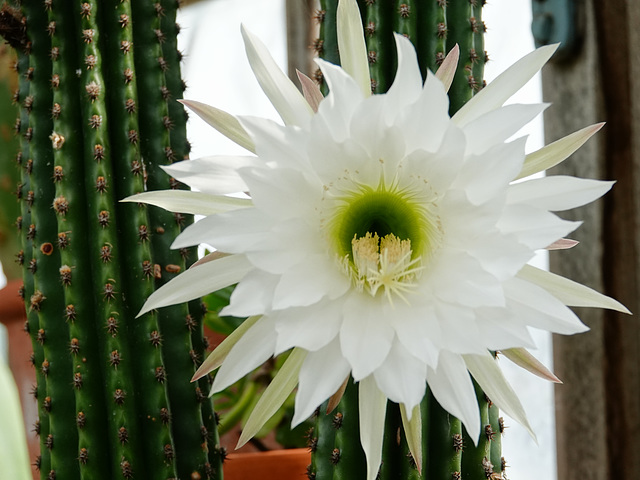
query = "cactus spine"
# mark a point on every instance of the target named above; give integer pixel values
(114, 393)
(434, 27)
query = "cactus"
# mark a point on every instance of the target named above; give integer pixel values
(98, 86)
(434, 27)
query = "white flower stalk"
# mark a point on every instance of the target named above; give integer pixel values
(383, 240)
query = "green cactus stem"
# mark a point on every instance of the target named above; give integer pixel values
(476, 459)
(180, 356)
(321, 444)
(75, 276)
(136, 260)
(460, 32)
(433, 30)
(497, 427)
(25, 258)
(443, 434)
(326, 45)
(377, 28)
(47, 298)
(478, 54)
(347, 455)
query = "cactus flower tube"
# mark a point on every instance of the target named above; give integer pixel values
(383, 240)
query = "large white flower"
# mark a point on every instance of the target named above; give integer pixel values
(382, 240)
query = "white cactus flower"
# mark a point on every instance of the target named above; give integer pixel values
(382, 239)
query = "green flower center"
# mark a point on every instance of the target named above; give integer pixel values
(381, 237)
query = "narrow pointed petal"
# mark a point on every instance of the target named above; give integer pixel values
(186, 201)
(310, 90)
(215, 175)
(314, 387)
(224, 122)
(412, 423)
(253, 349)
(351, 44)
(373, 408)
(447, 70)
(215, 358)
(489, 376)
(558, 192)
(562, 244)
(407, 84)
(196, 282)
(504, 86)
(274, 396)
(556, 152)
(524, 359)
(570, 293)
(283, 94)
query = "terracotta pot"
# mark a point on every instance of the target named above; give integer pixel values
(12, 315)
(272, 465)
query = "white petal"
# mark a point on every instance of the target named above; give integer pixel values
(569, 292)
(402, 377)
(498, 125)
(534, 227)
(310, 90)
(412, 423)
(224, 122)
(274, 396)
(310, 328)
(231, 232)
(558, 192)
(407, 84)
(558, 151)
(198, 281)
(321, 375)
(215, 358)
(536, 307)
(308, 282)
(452, 387)
(252, 350)
(365, 336)
(338, 106)
(447, 70)
(283, 94)
(253, 295)
(504, 86)
(486, 175)
(217, 175)
(373, 409)
(351, 44)
(489, 376)
(524, 359)
(186, 201)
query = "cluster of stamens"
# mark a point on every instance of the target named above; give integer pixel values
(383, 264)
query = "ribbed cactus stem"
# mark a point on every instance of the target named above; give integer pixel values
(459, 31)
(443, 434)
(430, 34)
(26, 257)
(497, 426)
(180, 356)
(111, 315)
(136, 260)
(321, 444)
(393, 460)
(476, 459)
(327, 42)
(377, 29)
(48, 297)
(478, 54)
(347, 455)
(75, 274)
(405, 19)
(177, 126)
